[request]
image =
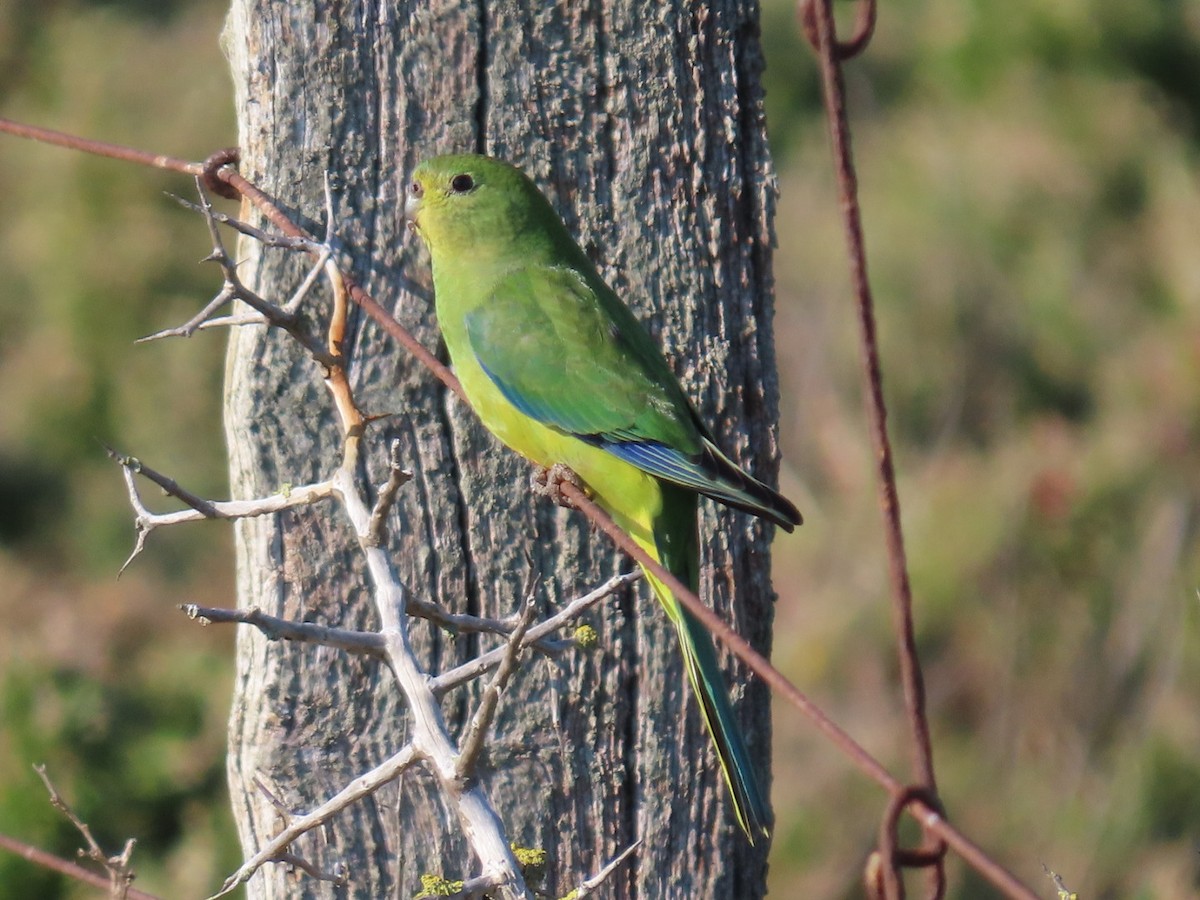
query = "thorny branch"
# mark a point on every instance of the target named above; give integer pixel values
(146, 521)
(431, 743)
(472, 744)
(398, 476)
(360, 787)
(367, 643)
(485, 662)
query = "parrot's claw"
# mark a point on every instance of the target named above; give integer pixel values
(549, 482)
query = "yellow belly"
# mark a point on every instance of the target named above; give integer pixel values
(631, 496)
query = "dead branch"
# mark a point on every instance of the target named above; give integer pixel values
(360, 787)
(430, 735)
(591, 885)
(471, 670)
(146, 521)
(398, 476)
(367, 643)
(477, 731)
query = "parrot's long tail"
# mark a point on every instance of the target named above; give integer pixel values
(678, 551)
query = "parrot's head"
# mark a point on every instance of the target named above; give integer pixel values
(466, 203)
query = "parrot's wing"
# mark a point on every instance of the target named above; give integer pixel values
(574, 358)
(559, 355)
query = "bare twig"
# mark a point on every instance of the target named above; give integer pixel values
(119, 868)
(367, 643)
(398, 476)
(202, 319)
(471, 670)
(339, 876)
(472, 743)
(591, 885)
(205, 319)
(264, 237)
(275, 315)
(271, 792)
(132, 465)
(456, 623)
(360, 787)
(371, 644)
(323, 254)
(146, 521)
(198, 323)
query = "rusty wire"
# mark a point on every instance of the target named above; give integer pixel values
(68, 868)
(816, 17)
(220, 168)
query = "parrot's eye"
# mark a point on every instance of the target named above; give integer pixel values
(415, 189)
(461, 184)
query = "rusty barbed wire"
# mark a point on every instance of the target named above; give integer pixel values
(929, 816)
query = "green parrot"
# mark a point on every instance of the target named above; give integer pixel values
(558, 368)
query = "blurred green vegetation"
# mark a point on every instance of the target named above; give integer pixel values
(101, 680)
(1031, 198)
(1032, 210)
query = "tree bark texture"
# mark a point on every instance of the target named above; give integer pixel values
(643, 123)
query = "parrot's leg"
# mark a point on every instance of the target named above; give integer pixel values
(548, 482)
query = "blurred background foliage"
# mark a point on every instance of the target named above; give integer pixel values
(1032, 206)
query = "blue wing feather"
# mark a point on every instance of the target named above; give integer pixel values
(661, 460)
(576, 353)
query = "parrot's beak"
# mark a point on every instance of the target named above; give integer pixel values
(412, 202)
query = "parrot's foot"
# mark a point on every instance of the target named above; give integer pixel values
(549, 482)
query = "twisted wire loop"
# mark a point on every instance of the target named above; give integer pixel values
(211, 176)
(882, 872)
(864, 28)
